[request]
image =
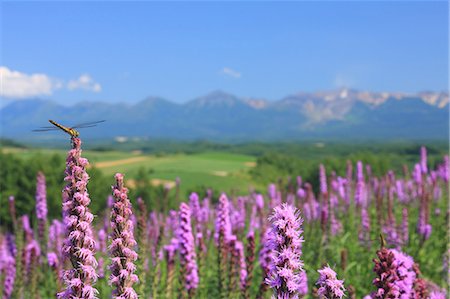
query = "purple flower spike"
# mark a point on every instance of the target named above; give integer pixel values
(31, 256)
(364, 233)
(323, 179)
(122, 243)
(52, 259)
(446, 169)
(423, 159)
(329, 286)
(405, 228)
(259, 201)
(395, 275)
(417, 174)
(223, 222)
(194, 205)
(239, 247)
(437, 295)
(187, 250)
(285, 242)
(303, 287)
(360, 190)
(8, 265)
(359, 171)
(41, 208)
(272, 191)
(79, 244)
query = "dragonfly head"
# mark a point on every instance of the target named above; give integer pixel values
(74, 132)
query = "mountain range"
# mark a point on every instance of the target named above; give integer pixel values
(337, 114)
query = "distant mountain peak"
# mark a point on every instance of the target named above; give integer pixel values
(154, 101)
(219, 93)
(215, 98)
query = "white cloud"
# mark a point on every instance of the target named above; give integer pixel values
(230, 72)
(16, 85)
(84, 82)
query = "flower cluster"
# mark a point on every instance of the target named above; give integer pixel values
(223, 222)
(41, 207)
(79, 244)
(122, 243)
(187, 250)
(395, 274)
(329, 286)
(285, 241)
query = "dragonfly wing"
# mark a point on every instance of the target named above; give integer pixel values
(88, 124)
(45, 129)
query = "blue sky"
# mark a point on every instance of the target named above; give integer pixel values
(125, 51)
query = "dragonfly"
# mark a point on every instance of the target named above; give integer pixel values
(69, 130)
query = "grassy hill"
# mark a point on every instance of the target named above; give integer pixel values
(218, 170)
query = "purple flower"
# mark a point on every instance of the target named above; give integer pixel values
(249, 261)
(405, 223)
(55, 238)
(240, 214)
(364, 233)
(239, 248)
(437, 295)
(187, 250)
(336, 225)
(299, 181)
(223, 222)
(8, 265)
(445, 172)
(423, 228)
(27, 227)
(301, 193)
(171, 249)
(400, 193)
(79, 244)
(390, 227)
(31, 256)
(395, 275)
(285, 242)
(254, 220)
(437, 192)
(323, 179)
(52, 259)
(259, 201)
(272, 191)
(311, 207)
(303, 285)
(122, 243)
(359, 171)
(41, 208)
(423, 159)
(417, 174)
(360, 191)
(205, 211)
(265, 251)
(101, 236)
(194, 205)
(342, 185)
(329, 287)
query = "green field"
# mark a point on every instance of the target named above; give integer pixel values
(218, 170)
